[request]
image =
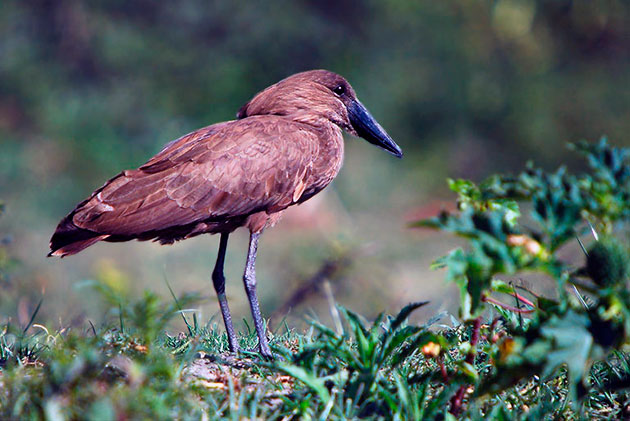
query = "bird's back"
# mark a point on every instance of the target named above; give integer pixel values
(210, 180)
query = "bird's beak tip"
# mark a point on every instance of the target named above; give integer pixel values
(394, 150)
(366, 127)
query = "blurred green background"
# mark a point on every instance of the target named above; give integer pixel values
(466, 88)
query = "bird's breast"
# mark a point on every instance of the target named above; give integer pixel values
(326, 164)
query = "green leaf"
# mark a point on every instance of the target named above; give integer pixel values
(309, 379)
(509, 208)
(456, 263)
(404, 314)
(571, 345)
(502, 287)
(469, 371)
(398, 338)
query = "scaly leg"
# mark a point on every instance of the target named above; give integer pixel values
(218, 279)
(249, 278)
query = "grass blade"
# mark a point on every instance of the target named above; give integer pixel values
(30, 322)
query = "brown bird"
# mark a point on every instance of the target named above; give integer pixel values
(285, 146)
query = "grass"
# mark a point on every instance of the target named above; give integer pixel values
(532, 357)
(135, 369)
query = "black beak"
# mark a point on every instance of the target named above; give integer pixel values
(366, 127)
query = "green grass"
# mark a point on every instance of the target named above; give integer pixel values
(372, 370)
(515, 354)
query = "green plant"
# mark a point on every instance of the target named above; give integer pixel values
(542, 333)
(366, 368)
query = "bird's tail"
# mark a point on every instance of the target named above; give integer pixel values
(69, 239)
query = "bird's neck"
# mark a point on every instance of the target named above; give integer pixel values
(330, 157)
(331, 136)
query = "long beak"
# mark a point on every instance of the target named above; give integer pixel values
(366, 127)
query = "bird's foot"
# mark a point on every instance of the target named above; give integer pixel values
(265, 352)
(268, 355)
(261, 355)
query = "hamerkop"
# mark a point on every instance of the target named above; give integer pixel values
(285, 146)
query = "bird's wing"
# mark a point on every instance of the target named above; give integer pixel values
(223, 171)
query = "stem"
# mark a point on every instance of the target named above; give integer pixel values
(474, 339)
(518, 305)
(523, 299)
(458, 399)
(505, 306)
(443, 369)
(489, 337)
(522, 288)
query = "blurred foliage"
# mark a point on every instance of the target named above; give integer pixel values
(91, 374)
(87, 89)
(385, 369)
(465, 87)
(560, 330)
(5, 260)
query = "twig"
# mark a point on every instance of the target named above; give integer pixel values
(520, 298)
(474, 339)
(328, 270)
(577, 292)
(518, 305)
(506, 307)
(581, 245)
(526, 290)
(457, 400)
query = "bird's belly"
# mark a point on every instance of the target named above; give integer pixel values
(257, 222)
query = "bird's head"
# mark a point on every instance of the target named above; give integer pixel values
(316, 96)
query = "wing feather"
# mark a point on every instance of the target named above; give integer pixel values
(224, 171)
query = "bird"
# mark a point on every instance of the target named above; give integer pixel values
(285, 146)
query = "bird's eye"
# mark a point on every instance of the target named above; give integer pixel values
(340, 90)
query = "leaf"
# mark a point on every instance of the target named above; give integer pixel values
(456, 264)
(309, 379)
(323, 329)
(464, 187)
(571, 345)
(500, 286)
(469, 371)
(468, 193)
(32, 319)
(509, 208)
(404, 314)
(361, 335)
(399, 337)
(355, 322)
(436, 318)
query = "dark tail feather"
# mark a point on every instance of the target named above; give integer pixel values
(69, 239)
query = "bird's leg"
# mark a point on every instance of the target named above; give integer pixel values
(249, 278)
(218, 279)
